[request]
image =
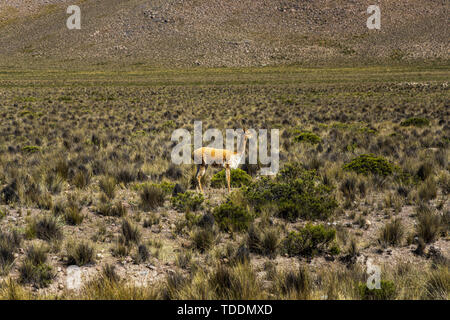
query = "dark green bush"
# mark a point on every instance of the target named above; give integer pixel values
(308, 137)
(309, 240)
(231, 217)
(416, 122)
(238, 179)
(370, 164)
(188, 201)
(296, 192)
(386, 292)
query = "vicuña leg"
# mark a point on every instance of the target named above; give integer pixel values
(227, 171)
(201, 169)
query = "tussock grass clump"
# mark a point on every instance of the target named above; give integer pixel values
(416, 122)
(236, 282)
(112, 210)
(295, 284)
(82, 179)
(238, 178)
(108, 186)
(130, 232)
(231, 217)
(429, 224)
(45, 228)
(11, 289)
(309, 241)
(121, 248)
(370, 164)
(152, 197)
(72, 214)
(9, 244)
(37, 254)
(264, 241)
(188, 201)
(425, 171)
(152, 219)
(349, 188)
(80, 254)
(34, 269)
(437, 285)
(9, 194)
(203, 239)
(392, 233)
(428, 190)
(142, 254)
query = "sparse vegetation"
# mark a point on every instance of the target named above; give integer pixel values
(100, 187)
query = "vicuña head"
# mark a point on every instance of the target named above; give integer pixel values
(220, 157)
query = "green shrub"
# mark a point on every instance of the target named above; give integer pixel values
(296, 193)
(188, 201)
(309, 240)
(370, 164)
(31, 149)
(238, 178)
(308, 137)
(416, 122)
(386, 292)
(231, 217)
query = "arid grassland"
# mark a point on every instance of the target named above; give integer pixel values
(86, 179)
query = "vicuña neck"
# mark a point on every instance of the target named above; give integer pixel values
(242, 144)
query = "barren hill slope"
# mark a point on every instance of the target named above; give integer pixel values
(224, 33)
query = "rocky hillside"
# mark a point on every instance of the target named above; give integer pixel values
(224, 33)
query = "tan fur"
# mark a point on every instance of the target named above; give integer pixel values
(217, 157)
